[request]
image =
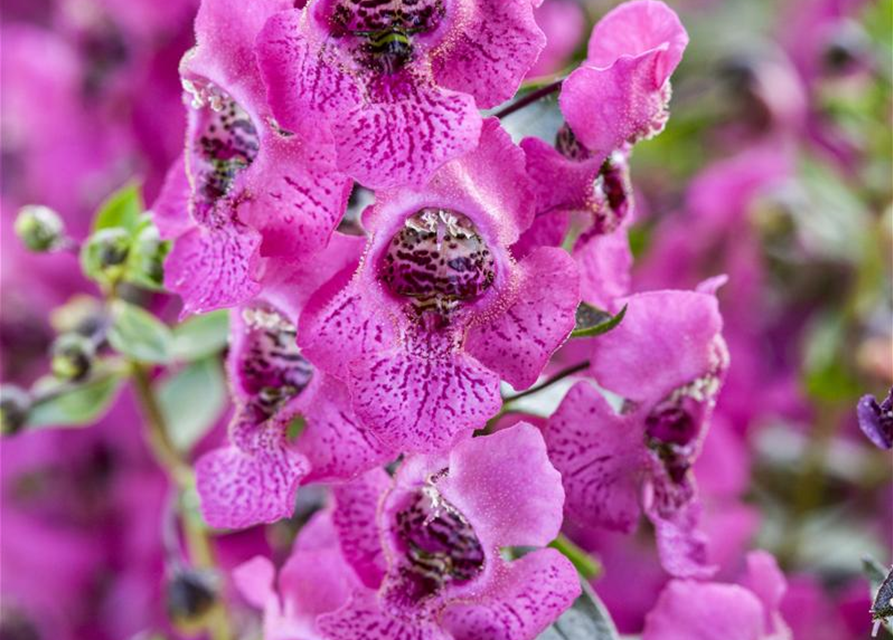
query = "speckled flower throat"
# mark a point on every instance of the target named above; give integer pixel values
(381, 33)
(438, 261)
(225, 143)
(438, 544)
(271, 368)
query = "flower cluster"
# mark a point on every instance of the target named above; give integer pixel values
(415, 367)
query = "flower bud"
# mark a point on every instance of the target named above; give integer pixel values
(39, 227)
(15, 403)
(105, 253)
(72, 357)
(191, 595)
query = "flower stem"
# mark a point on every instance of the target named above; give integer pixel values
(530, 98)
(168, 458)
(547, 383)
(587, 566)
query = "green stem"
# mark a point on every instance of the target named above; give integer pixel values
(530, 98)
(197, 541)
(587, 566)
(558, 376)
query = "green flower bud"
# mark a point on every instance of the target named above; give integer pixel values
(39, 227)
(15, 403)
(105, 253)
(72, 357)
(191, 595)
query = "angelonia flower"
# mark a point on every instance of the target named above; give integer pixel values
(618, 462)
(440, 309)
(453, 398)
(398, 84)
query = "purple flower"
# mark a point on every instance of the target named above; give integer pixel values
(256, 477)
(399, 84)
(439, 309)
(666, 360)
(689, 610)
(441, 524)
(246, 191)
(876, 420)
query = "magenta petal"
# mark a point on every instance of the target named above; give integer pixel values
(526, 597)
(213, 268)
(240, 486)
(605, 262)
(682, 547)
(767, 581)
(600, 457)
(705, 611)
(634, 28)
(407, 135)
(423, 404)
(254, 579)
(666, 340)
(607, 108)
(363, 617)
(339, 325)
(171, 209)
(518, 343)
(296, 195)
(561, 183)
(298, 81)
(334, 442)
(506, 486)
(356, 521)
(492, 50)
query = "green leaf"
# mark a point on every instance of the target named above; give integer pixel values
(121, 209)
(192, 402)
(587, 619)
(201, 336)
(138, 334)
(145, 263)
(595, 322)
(77, 406)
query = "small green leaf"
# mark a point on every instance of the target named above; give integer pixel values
(77, 406)
(192, 402)
(145, 264)
(595, 322)
(138, 334)
(121, 209)
(587, 619)
(201, 336)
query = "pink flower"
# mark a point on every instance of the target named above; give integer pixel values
(316, 579)
(256, 477)
(688, 610)
(666, 360)
(246, 191)
(441, 524)
(399, 84)
(619, 94)
(439, 309)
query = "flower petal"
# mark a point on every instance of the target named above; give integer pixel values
(527, 596)
(600, 457)
(423, 404)
(241, 485)
(704, 611)
(519, 342)
(356, 521)
(363, 617)
(491, 51)
(667, 339)
(213, 268)
(506, 487)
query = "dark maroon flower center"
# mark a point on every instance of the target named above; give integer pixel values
(382, 32)
(438, 261)
(672, 428)
(271, 368)
(226, 143)
(439, 546)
